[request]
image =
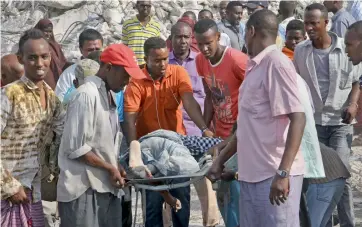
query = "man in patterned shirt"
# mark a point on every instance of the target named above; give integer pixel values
(29, 111)
(138, 29)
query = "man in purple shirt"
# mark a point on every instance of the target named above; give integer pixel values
(182, 55)
(181, 38)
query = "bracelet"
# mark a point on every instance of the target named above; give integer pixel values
(354, 104)
(236, 176)
(204, 130)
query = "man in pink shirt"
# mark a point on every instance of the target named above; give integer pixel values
(271, 122)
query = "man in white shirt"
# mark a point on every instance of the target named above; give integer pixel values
(90, 175)
(89, 40)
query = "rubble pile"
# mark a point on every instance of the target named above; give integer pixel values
(70, 18)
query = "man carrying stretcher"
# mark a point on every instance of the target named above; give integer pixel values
(154, 103)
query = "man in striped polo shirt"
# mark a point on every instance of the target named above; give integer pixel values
(138, 29)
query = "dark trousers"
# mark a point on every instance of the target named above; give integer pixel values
(154, 202)
(126, 213)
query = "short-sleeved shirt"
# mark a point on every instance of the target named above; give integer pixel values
(134, 35)
(158, 103)
(268, 94)
(224, 79)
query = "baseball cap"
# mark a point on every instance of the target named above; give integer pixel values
(122, 55)
(254, 4)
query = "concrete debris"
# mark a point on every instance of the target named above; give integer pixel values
(62, 4)
(70, 18)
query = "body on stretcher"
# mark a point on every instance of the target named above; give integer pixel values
(166, 182)
(169, 156)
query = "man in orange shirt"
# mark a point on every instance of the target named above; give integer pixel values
(155, 103)
(295, 34)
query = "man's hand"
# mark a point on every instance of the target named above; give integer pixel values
(279, 190)
(228, 176)
(208, 133)
(116, 177)
(215, 172)
(214, 152)
(20, 197)
(350, 113)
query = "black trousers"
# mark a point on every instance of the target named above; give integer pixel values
(127, 212)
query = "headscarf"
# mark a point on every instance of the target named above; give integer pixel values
(191, 23)
(58, 59)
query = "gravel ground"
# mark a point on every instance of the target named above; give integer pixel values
(356, 163)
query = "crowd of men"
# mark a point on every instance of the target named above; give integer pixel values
(282, 93)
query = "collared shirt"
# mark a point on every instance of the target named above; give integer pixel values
(90, 125)
(158, 103)
(282, 28)
(341, 21)
(134, 35)
(234, 33)
(197, 86)
(24, 129)
(268, 94)
(342, 75)
(65, 89)
(288, 52)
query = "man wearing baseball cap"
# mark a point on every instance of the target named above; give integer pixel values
(90, 177)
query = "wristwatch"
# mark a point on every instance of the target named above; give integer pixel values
(283, 173)
(236, 176)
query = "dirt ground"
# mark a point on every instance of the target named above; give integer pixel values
(356, 163)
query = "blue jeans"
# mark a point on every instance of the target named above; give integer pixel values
(154, 203)
(340, 139)
(322, 199)
(230, 209)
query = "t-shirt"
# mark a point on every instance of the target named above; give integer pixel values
(224, 79)
(321, 63)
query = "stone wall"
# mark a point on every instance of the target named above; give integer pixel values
(72, 17)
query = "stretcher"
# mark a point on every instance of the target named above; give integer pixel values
(167, 182)
(163, 183)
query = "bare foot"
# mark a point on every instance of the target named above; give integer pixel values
(140, 172)
(136, 165)
(135, 156)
